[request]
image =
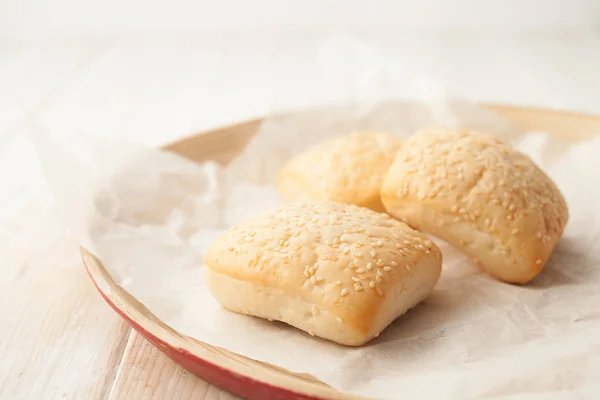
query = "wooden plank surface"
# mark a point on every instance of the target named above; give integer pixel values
(146, 373)
(58, 338)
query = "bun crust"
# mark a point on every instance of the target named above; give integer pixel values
(348, 169)
(479, 194)
(336, 271)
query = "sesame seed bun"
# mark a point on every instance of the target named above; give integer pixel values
(348, 169)
(336, 271)
(479, 194)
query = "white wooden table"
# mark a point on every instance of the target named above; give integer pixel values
(58, 339)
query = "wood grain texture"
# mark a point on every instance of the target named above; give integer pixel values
(146, 373)
(58, 338)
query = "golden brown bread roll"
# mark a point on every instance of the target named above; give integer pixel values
(480, 195)
(336, 271)
(348, 169)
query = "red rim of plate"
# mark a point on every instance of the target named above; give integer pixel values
(233, 382)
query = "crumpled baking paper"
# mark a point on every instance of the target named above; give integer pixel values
(149, 215)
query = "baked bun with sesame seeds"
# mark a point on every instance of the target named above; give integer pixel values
(336, 271)
(479, 194)
(347, 169)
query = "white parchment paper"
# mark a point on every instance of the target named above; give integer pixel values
(149, 216)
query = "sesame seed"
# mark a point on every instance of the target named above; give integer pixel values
(378, 278)
(346, 251)
(306, 274)
(358, 288)
(339, 319)
(372, 253)
(372, 284)
(387, 269)
(355, 279)
(394, 264)
(357, 255)
(360, 271)
(370, 266)
(538, 262)
(379, 292)
(546, 239)
(407, 267)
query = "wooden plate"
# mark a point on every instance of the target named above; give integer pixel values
(239, 375)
